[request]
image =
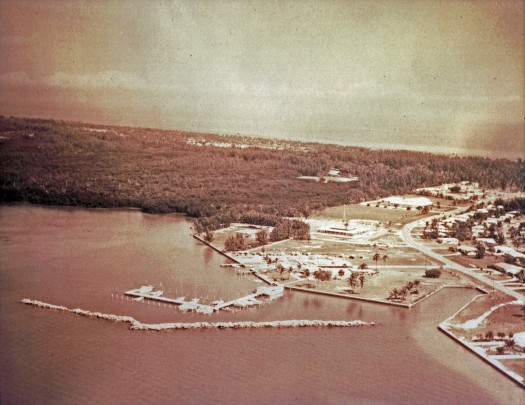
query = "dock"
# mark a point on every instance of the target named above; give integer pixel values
(147, 292)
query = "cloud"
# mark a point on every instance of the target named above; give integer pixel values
(102, 80)
(18, 78)
(12, 40)
(109, 79)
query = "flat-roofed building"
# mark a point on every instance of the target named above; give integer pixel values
(412, 202)
(507, 268)
(487, 241)
(448, 241)
(506, 250)
(467, 249)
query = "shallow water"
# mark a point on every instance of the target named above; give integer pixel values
(79, 258)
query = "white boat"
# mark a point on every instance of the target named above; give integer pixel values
(145, 289)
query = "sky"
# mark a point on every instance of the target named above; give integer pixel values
(420, 74)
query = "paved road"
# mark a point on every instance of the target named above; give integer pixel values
(407, 238)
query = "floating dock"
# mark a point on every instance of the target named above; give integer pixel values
(147, 292)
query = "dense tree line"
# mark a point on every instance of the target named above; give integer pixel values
(286, 228)
(512, 204)
(234, 243)
(61, 163)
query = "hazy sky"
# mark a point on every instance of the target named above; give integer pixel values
(425, 73)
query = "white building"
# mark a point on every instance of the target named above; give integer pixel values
(448, 241)
(487, 241)
(507, 268)
(412, 202)
(468, 250)
(506, 250)
(345, 232)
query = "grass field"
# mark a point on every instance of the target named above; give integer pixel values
(379, 286)
(443, 251)
(362, 253)
(403, 264)
(472, 262)
(356, 211)
(518, 365)
(505, 319)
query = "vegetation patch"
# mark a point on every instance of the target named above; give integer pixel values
(74, 164)
(433, 273)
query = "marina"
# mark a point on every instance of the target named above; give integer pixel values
(147, 292)
(247, 342)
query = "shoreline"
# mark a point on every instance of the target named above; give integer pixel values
(516, 378)
(444, 328)
(300, 140)
(86, 207)
(333, 294)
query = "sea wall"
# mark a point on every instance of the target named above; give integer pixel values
(216, 249)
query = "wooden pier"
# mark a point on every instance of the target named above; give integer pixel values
(147, 292)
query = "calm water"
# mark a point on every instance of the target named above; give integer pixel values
(78, 258)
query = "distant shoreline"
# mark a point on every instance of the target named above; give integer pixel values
(513, 155)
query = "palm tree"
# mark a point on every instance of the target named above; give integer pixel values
(208, 236)
(516, 242)
(509, 344)
(376, 258)
(362, 280)
(385, 258)
(363, 266)
(352, 280)
(394, 294)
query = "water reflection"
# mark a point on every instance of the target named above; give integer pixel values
(306, 302)
(317, 303)
(350, 309)
(208, 256)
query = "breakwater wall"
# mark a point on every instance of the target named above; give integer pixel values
(137, 325)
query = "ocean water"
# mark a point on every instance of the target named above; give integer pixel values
(88, 258)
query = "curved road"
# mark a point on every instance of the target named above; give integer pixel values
(406, 235)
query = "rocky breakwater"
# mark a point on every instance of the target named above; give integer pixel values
(137, 325)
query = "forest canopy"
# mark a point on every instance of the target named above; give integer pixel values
(216, 179)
